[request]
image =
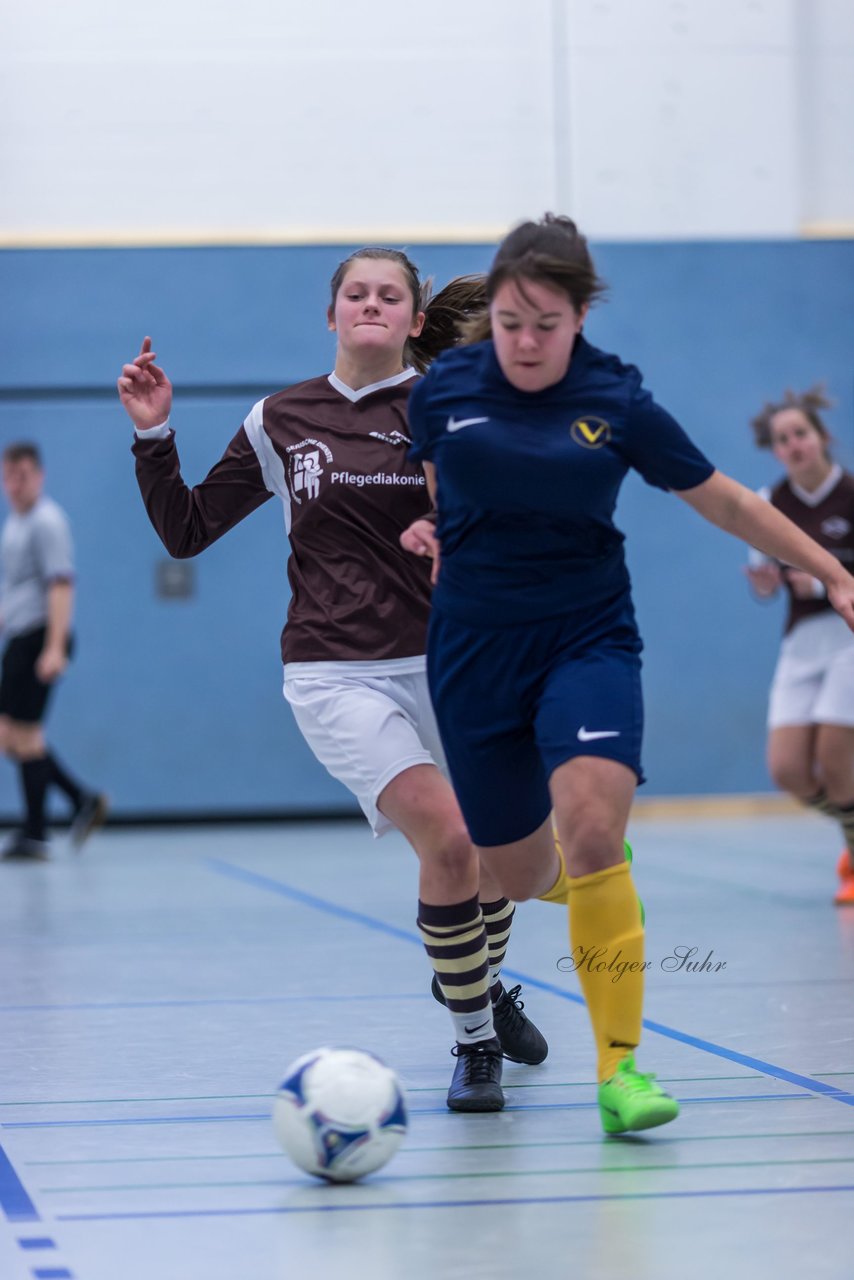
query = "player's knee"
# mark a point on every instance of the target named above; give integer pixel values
(793, 777)
(519, 883)
(593, 843)
(836, 772)
(451, 855)
(25, 741)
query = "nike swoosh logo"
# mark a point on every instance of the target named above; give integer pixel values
(586, 735)
(455, 424)
(471, 1030)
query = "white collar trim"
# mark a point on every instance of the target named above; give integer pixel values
(818, 495)
(335, 381)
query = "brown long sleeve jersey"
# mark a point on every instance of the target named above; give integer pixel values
(827, 516)
(337, 459)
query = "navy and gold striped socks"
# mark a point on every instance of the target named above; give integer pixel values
(456, 940)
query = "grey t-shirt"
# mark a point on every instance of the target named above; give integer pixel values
(35, 550)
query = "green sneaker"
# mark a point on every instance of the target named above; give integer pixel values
(629, 855)
(632, 1100)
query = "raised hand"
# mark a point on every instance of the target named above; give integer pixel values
(144, 389)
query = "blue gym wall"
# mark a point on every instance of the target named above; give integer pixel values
(175, 707)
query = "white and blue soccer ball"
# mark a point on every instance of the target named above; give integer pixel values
(340, 1113)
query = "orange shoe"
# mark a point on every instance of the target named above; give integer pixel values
(845, 870)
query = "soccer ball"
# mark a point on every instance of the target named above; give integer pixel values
(340, 1113)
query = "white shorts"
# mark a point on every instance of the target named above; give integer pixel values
(366, 728)
(814, 679)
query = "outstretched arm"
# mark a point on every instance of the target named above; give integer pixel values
(186, 520)
(735, 508)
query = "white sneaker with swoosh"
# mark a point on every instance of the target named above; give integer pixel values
(588, 735)
(457, 424)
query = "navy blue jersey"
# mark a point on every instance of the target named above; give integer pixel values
(528, 481)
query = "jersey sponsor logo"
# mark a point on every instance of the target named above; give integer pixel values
(835, 527)
(393, 437)
(590, 432)
(457, 424)
(589, 735)
(305, 468)
(360, 479)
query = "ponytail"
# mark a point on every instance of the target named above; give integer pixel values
(446, 316)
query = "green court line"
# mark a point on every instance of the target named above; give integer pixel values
(591, 1084)
(268, 1097)
(471, 1175)
(407, 1149)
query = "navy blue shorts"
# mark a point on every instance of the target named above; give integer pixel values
(515, 702)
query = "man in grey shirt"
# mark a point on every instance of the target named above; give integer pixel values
(36, 603)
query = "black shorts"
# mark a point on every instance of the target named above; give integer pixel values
(23, 696)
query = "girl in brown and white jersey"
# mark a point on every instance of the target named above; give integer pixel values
(811, 706)
(333, 449)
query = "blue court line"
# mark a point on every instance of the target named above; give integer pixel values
(37, 1242)
(829, 1091)
(131, 1120)
(216, 1002)
(53, 1273)
(95, 1005)
(122, 1121)
(310, 900)
(713, 1193)
(14, 1201)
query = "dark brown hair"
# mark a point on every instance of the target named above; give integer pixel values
(21, 451)
(553, 252)
(444, 314)
(809, 402)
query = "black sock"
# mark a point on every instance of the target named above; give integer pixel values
(60, 778)
(35, 779)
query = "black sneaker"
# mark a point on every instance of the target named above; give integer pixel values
(476, 1085)
(520, 1040)
(91, 815)
(22, 848)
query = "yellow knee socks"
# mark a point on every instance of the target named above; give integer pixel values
(607, 941)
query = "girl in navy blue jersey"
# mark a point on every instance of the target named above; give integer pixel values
(533, 652)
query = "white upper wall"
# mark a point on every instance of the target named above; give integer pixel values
(185, 120)
(826, 33)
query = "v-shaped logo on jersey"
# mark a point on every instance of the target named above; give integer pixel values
(590, 432)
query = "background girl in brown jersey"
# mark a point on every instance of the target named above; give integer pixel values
(334, 450)
(811, 706)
